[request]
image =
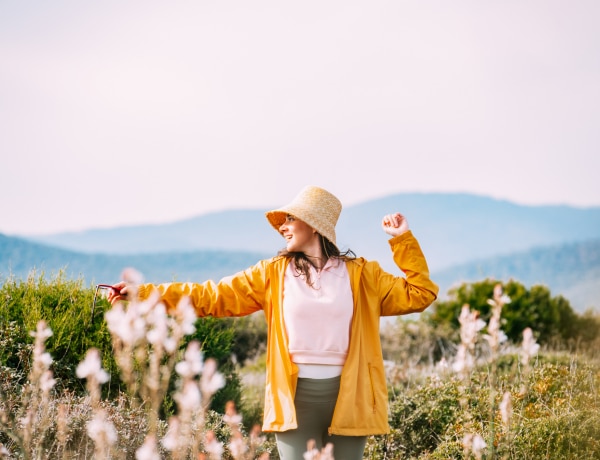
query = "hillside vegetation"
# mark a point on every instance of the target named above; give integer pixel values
(572, 270)
(459, 388)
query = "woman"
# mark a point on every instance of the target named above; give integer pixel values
(325, 374)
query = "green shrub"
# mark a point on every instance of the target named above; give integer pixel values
(557, 417)
(66, 306)
(552, 318)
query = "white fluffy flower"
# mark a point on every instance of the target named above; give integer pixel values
(192, 363)
(212, 445)
(478, 445)
(212, 384)
(186, 316)
(474, 444)
(529, 347)
(159, 332)
(116, 321)
(463, 361)
(148, 450)
(47, 381)
(127, 325)
(189, 397)
(44, 358)
(232, 419)
(237, 446)
(506, 409)
(171, 440)
(92, 367)
(42, 331)
(131, 275)
(101, 430)
(470, 324)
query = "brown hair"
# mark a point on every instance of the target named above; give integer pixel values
(303, 263)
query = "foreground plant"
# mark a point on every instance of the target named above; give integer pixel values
(146, 344)
(29, 424)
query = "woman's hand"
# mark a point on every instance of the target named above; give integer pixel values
(118, 292)
(394, 224)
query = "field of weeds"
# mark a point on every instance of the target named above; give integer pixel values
(79, 381)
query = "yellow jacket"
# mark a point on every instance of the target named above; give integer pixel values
(361, 408)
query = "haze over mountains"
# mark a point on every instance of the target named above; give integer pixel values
(465, 237)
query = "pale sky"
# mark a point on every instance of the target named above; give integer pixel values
(129, 112)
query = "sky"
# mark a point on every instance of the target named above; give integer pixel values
(120, 113)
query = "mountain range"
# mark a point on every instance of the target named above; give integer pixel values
(465, 238)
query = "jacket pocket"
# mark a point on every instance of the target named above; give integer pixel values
(371, 381)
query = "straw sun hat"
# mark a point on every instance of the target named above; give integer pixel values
(313, 205)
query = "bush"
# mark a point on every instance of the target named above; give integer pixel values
(558, 417)
(552, 318)
(66, 306)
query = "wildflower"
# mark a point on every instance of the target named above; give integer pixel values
(506, 409)
(192, 361)
(529, 347)
(42, 332)
(231, 417)
(186, 315)
(171, 440)
(189, 397)
(237, 446)
(212, 446)
(43, 358)
(463, 360)
(496, 335)
(211, 380)
(312, 453)
(92, 367)
(126, 325)
(47, 382)
(62, 424)
(132, 276)
(101, 431)
(474, 444)
(470, 325)
(159, 332)
(327, 452)
(478, 446)
(256, 437)
(148, 450)
(499, 296)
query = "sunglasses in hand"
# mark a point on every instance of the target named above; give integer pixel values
(100, 287)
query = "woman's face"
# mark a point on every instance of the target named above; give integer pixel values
(300, 236)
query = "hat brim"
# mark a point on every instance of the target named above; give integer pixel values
(276, 218)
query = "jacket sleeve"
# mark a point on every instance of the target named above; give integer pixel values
(410, 294)
(237, 295)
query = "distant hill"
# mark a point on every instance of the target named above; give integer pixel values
(572, 270)
(453, 229)
(19, 257)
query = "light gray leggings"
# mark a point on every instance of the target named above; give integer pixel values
(315, 400)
